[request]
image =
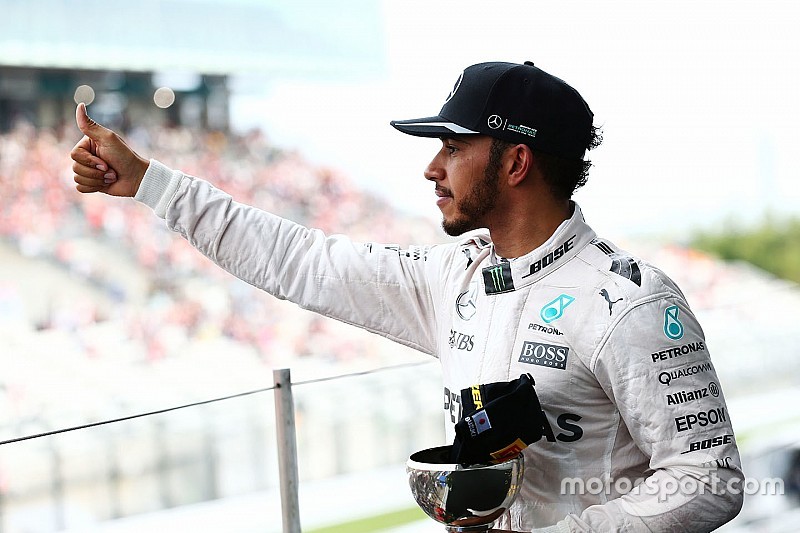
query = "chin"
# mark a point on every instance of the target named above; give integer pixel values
(455, 228)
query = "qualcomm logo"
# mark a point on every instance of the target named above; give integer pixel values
(555, 309)
(673, 328)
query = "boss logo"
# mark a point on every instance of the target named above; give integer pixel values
(549, 355)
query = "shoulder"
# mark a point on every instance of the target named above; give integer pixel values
(614, 267)
(466, 250)
(621, 293)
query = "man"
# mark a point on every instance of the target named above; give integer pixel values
(638, 436)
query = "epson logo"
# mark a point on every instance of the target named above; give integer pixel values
(703, 418)
(548, 355)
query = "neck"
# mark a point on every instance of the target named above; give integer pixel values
(527, 227)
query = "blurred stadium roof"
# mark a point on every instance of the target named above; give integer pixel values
(304, 37)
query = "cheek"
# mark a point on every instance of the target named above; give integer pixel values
(467, 168)
(468, 174)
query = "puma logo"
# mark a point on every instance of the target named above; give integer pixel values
(604, 294)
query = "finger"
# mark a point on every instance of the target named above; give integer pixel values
(83, 153)
(89, 127)
(104, 176)
(88, 181)
(87, 189)
(85, 185)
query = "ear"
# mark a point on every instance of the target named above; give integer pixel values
(519, 162)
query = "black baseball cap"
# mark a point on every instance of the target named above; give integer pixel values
(521, 104)
(499, 420)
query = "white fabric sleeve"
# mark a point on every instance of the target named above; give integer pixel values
(380, 288)
(157, 187)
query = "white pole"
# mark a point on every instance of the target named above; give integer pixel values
(287, 450)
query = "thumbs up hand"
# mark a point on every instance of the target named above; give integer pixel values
(102, 162)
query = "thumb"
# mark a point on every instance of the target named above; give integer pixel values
(89, 127)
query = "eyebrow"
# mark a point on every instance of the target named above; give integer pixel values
(453, 138)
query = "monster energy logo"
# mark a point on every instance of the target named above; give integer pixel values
(497, 279)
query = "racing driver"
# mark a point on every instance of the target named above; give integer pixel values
(638, 435)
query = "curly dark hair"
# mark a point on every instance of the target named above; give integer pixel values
(563, 176)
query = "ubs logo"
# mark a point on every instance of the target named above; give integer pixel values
(461, 341)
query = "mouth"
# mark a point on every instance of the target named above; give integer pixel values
(444, 196)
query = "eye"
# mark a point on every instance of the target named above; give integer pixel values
(451, 149)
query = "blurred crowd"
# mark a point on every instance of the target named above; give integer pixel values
(127, 267)
(151, 278)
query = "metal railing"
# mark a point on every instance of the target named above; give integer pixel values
(181, 464)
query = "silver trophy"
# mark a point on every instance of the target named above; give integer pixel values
(463, 498)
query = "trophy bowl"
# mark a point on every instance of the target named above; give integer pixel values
(463, 498)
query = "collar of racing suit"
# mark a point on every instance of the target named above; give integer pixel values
(505, 275)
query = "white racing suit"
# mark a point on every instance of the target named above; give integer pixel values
(639, 437)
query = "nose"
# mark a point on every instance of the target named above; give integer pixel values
(434, 171)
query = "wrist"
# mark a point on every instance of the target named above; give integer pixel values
(141, 169)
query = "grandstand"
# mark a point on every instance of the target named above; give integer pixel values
(46, 97)
(53, 53)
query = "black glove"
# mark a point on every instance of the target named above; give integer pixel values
(499, 421)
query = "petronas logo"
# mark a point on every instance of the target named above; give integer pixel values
(555, 309)
(673, 328)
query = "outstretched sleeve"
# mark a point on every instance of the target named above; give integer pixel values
(380, 288)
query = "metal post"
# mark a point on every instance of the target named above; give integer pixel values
(287, 450)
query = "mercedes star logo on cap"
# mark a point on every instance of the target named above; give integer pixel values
(495, 122)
